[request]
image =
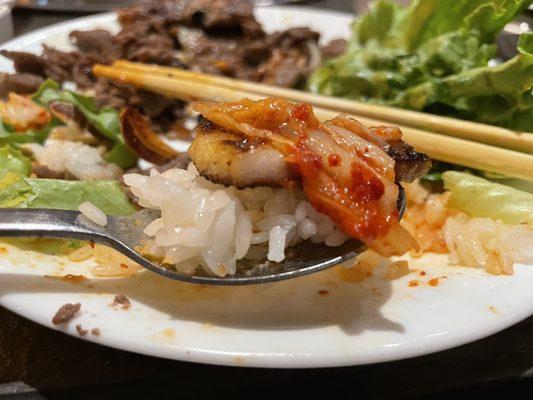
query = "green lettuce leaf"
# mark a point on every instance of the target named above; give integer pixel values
(481, 198)
(22, 192)
(9, 136)
(13, 160)
(501, 95)
(106, 120)
(433, 56)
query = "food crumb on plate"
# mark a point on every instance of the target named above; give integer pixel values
(3, 250)
(494, 310)
(122, 301)
(397, 269)
(422, 273)
(414, 283)
(323, 292)
(81, 331)
(434, 282)
(65, 313)
(96, 331)
(238, 360)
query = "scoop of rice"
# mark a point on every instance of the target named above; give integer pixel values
(82, 161)
(212, 226)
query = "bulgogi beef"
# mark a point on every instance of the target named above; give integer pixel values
(217, 36)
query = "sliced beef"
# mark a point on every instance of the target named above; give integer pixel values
(42, 171)
(293, 37)
(284, 68)
(219, 37)
(409, 164)
(334, 48)
(26, 63)
(65, 111)
(19, 83)
(98, 40)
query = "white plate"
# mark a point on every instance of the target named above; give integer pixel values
(315, 321)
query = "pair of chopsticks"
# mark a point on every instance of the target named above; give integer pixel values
(470, 144)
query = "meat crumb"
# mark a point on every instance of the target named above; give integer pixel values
(81, 331)
(121, 300)
(65, 313)
(323, 292)
(95, 332)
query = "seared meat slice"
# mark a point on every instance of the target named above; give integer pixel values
(232, 159)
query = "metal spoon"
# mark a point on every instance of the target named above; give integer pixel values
(125, 234)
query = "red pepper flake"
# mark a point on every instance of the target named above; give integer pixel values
(434, 282)
(413, 283)
(323, 292)
(423, 273)
(123, 266)
(302, 112)
(334, 160)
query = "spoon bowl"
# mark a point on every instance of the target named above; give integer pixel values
(126, 235)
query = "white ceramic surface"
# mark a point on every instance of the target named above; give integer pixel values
(6, 23)
(315, 321)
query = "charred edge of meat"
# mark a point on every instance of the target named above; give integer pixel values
(409, 164)
(206, 127)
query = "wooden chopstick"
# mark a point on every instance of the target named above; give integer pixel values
(439, 147)
(497, 136)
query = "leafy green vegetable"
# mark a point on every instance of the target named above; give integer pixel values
(22, 192)
(49, 91)
(9, 136)
(13, 160)
(106, 121)
(433, 56)
(121, 155)
(481, 198)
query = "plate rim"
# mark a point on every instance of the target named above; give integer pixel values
(270, 360)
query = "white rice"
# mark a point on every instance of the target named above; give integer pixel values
(471, 242)
(82, 161)
(211, 226)
(483, 242)
(93, 213)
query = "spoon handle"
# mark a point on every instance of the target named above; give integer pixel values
(19, 222)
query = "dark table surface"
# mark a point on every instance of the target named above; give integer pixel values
(36, 362)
